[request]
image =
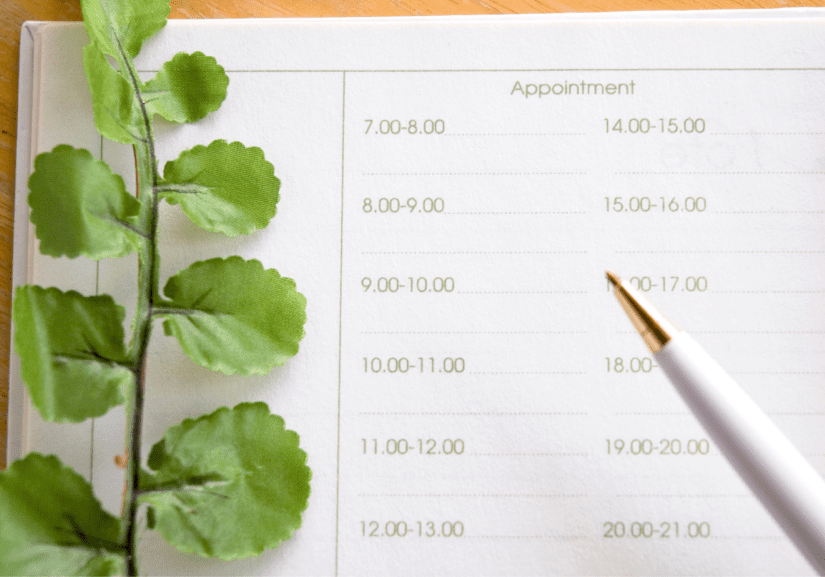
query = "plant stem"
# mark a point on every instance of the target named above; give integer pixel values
(148, 264)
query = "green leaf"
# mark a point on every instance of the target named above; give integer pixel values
(223, 187)
(116, 112)
(52, 524)
(118, 26)
(71, 352)
(233, 316)
(256, 489)
(187, 88)
(80, 206)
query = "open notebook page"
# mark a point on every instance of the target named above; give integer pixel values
(472, 398)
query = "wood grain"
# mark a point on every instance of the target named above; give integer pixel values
(14, 12)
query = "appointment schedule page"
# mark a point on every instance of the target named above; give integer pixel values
(498, 413)
(472, 398)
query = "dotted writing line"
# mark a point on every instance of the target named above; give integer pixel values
(766, 133)
(562, 537)
(758, 332)
(723, 173)
(777, 373)
(720, 251)
(477, 332)
(699, 496)
(527, 455)
(769, 212)
(741, 332)
(524, 292)
(526, 373)
(496, 414)
(798, 414)
(473, 495)
(517, 134)
(747, 537)
(486, 252)
(469, 173)
(770, 292)
(507, 213)
(656, 414)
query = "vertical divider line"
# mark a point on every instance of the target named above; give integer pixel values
(340, 314)
(97, 292)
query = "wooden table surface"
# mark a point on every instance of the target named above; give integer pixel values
(14, 12)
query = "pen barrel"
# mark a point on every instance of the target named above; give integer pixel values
(782, 479)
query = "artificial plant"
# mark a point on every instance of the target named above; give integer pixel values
(229, 484)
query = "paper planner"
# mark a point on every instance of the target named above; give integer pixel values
(472, 399)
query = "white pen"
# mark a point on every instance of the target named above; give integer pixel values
(786, 484)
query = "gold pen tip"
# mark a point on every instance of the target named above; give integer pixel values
(614, 278)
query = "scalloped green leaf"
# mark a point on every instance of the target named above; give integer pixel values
(223, 187)
(71, 352)
(228, 485)
(117, 113)
(52, 524)
(80, 207)
(187, 88)
(118, 26)
(233, 316)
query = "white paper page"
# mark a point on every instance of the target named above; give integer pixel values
(472, 398)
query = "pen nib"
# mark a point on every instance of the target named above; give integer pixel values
(654, 328)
